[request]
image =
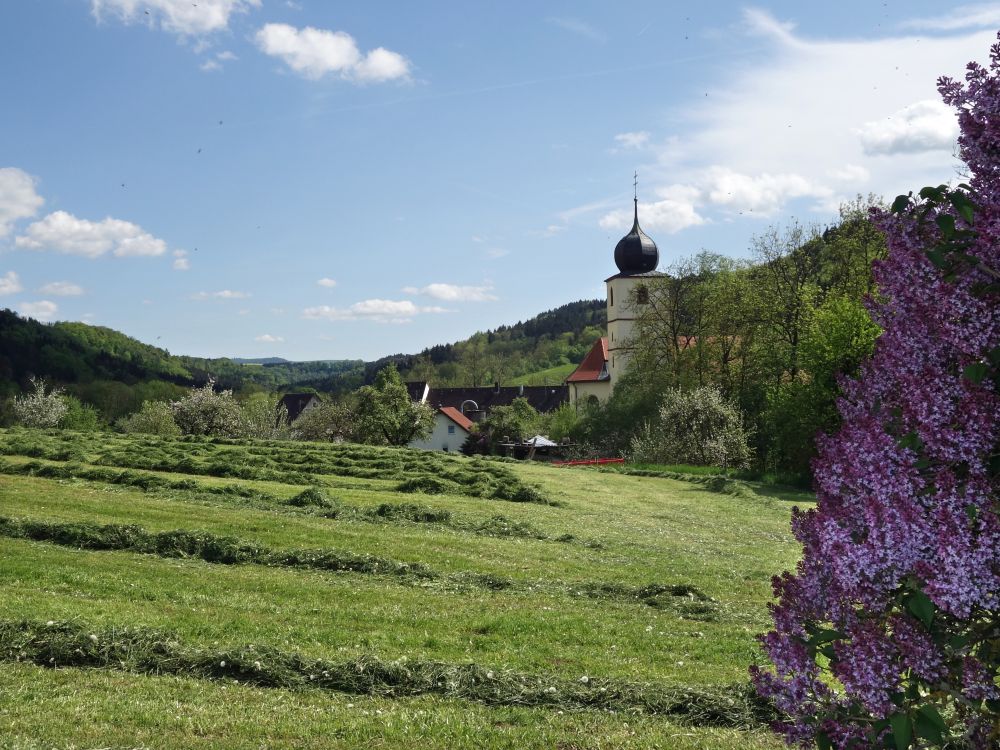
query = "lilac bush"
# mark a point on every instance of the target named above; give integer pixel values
(888, 633)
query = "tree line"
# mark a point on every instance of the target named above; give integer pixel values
(772, 333)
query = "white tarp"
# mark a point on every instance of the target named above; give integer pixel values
(540, 441)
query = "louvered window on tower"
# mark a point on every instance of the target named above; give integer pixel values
(642, 296)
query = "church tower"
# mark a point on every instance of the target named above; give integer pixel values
(636, 256)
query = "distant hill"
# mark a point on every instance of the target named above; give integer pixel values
(116, 372)
(261, 361)
(540, 345)
(78, 354)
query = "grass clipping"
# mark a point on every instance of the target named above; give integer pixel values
(70, 644)
(686, 600)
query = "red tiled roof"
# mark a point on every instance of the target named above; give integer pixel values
(594, 365)
(457, 417)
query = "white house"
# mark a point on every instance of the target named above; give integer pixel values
(451, 428)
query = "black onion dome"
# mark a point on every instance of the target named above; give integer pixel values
(636, 252)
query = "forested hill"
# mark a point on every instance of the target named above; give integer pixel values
(80, 355)
(556, 337)
(93, 360)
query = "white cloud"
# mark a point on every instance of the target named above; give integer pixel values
(61, 289)
(328, 283)
(580, 28)
(268, 338)
(382, 64)
(10, 283)
(378, 310)
(454, 292)
(764, 193)
(42, 310)
(497, 252)
(924, 126)
(18, 199)
(806, 122)
(673, 212)
(183, 17)
(64, 233)
(850, 173)
(314, 53)
(181, 261)
(221, 294)
(215, 63)
(980, 16)
(632, 140)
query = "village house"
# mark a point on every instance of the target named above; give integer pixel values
(457, 409)
(451, 428)
(296, 404)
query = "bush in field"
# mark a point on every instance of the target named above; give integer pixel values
(562, 423)
(888, 633)
(330, 421)
(40, 407)
(154, 418)
(694, 427)
(262, 416)
(517, 421)
(205, 411)
(79, 416)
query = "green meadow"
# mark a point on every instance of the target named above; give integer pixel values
(178, 593)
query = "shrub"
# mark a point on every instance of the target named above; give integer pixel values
(79, 416)
(698, 427)
(204, 411)
(887, 634)
(154, 418)
(263, 417)
(39, 407)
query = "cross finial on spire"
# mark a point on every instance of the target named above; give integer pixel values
(635, 186)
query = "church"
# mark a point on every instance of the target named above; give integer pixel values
(636, 256)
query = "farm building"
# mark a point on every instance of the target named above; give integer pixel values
(297, 404)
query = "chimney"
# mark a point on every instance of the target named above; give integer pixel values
(520, 390)
(496, 386)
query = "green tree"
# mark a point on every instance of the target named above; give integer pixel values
(79, 416)
(205, 411)
(264, 417)
(330, 421)
(695, 427)
(837, 337)
(385, 415)
(153, 418)
(516, 421)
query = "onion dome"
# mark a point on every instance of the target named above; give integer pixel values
(636, 252)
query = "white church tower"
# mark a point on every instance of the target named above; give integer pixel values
(636, 256)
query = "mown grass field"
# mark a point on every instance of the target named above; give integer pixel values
(346, 596)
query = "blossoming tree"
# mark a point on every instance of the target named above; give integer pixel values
(888, 633)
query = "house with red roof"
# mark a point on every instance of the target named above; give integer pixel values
(590, 382)
(451, 428)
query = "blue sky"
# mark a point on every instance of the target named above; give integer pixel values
(322, 180)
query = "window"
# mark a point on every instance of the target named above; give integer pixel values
(641, 295)
(611, 296)
(451, 429)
